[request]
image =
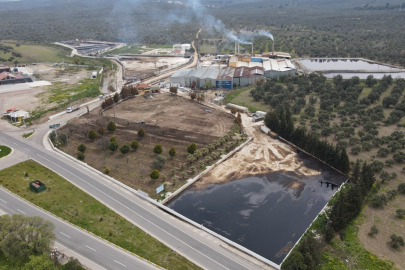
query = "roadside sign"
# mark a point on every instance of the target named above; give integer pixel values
(160, 189)
(54, 126)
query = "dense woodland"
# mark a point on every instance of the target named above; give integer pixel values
(315, 28)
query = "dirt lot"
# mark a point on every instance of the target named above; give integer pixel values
(166, 110)
(262, 155)
(145, 65)
(171, 122)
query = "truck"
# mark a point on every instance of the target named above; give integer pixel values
(72, 108)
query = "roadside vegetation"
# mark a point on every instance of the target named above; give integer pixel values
(26, 135)
(71, 203)
(4, 151)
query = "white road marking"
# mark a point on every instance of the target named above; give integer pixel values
(4, 138)
(20, 211)
(3, 201)
(27, 149)
(15, 143)
(65, 234)
(90, 248)
(147, 220)
(120, 263)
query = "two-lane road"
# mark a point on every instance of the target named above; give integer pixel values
(134, 209)
(101, 253)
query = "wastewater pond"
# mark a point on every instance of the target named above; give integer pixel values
(363, 76)
(266, 214)
(343, 64)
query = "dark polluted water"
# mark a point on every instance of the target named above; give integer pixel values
(266, 214)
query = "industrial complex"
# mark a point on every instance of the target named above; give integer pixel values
(228, 71)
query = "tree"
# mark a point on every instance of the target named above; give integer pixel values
(42, 262)
(92, 135)
(116, 97)
(124, 149)
(356, 149)
(383, 152)
(113, 146)
(401, 188)
(154, 174)
(158, 149)
(135, 145)
(141, 133)
(172, 152)
(21, 237)
(396, 241)
(370, 81)
(295, 261)
(373, 230)
(173, 90)
(159, 162)
(379, 201)
(82, 147)
(76, 60)
(193, 96)
(400, 213)
(80, 156)
(191, 148)
(101, 130)
(111, 126)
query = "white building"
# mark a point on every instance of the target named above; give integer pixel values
(185, 47)
(180, 76)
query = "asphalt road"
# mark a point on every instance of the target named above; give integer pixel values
(103, 254)
(134, 209)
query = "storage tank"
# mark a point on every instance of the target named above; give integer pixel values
(239, 108)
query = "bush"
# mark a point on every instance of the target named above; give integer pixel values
(401, 188)
(400, 213)
(373, 230)
(172, 152)
(80, 156)
(113, 139)
(154, 174)
(355, 149)
(106, 170)
(141, 133)
(111, 126)
(82, 147)
(113, 146)
(135, 145)
(158, 162)
(125, 149)
(396, 241)
(26, 174)
(191, 148)
(92, 135)
(101, 130)
(379, 201)
(391, 194)
(158, 149)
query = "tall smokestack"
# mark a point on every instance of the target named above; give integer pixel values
(235, 47)
(253, 52)
(273, 49)
(238, 48)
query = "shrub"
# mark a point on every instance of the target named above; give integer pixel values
(106, 170)
(379, 201)
(92, 135)
(80, 156)
(400, 213)
(113, 146)
(391, 194)
(125, 149)
(101, 130)
(158, 162)
(154, 174)
(396, 241)
(373, 230)
(111, 126)
(355, 149)
(191, 148)
(401, 188)
(113, 139)
(26, 174)
(158, 149)
(141, 133)
(135, 145)
(172, 152)
(82, 147)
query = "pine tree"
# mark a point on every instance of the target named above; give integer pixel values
(344, 161)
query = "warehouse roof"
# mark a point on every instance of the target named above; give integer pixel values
(212, 73)
(181, 73)
(241, 72)
(255, 64)
(197, 73)
(226, 74)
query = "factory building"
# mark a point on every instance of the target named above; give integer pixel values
(225, 78)
(256, 74)
(193, 78)
(179, 77)
(209, 78)
(241, 76)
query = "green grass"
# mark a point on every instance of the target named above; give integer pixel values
(71, 203)
(4, 151)
(166, 46)
(242, 97)
(208, 48)
(38, 53)
(26, 135)
(132, 49)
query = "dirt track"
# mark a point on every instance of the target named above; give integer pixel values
(262, 155)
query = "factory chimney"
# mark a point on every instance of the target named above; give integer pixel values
(273, 49)
(235, 46)
(253, 52)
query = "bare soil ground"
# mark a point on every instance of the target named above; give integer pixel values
(146, 65)
(388, 224)
(169, 111)
(262, 155)
(175, 125)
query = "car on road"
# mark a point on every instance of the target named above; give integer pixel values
(142, 122)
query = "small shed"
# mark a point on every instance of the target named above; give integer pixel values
(37, 186)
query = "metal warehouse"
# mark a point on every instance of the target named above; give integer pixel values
(209, 78)
(225, 78)
(180, 76)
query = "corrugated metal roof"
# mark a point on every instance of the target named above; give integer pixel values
(243, 64)
(274, 65)
(226, 74)
(197, 73)
(255, 64)
(181, 73)
(267, 65)
(241, 72)
(212, 73)
(256, 71)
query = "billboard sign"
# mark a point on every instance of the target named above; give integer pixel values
(160, 188)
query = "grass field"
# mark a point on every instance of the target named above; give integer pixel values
(4, 151)
(71, 203)
(242, 97)
(37, 53)
(133, 49)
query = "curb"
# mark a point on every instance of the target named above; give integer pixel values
(66, 221)
(30, 135)
(12, 151)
